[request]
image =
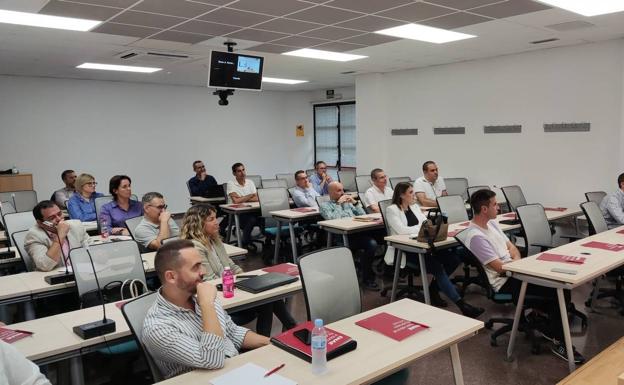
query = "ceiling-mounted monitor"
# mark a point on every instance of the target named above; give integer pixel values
(235, 71)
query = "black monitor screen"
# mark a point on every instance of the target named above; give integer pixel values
(231, 70)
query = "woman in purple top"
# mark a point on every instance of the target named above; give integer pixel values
(116, 212)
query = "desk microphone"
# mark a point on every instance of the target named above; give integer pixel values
(97, 328)
(62, 277)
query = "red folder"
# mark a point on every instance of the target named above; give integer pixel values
(562, 258)
(464, 224)
(10, 335)
(284, 268)
(620, 231)
(560, 209)
(120, 304)
(304, 210)
(391, 326)
(510, 215)
(453, 233)
(604, 246)
(337, 343)
(239, 205)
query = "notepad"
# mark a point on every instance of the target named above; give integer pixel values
(366, 219)
(392, 326)
(239, 205)
(562, 258)
(560, 209)
(304, 209)
(284, 268)
(9, 335)
(251, 373)
(604, 246)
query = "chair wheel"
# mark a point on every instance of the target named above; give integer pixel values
(489, 324)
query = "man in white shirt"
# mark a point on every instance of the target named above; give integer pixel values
(304, 194)
(379, 191)
(62, 195)
(493, 249)
(429, 186)
(242, 190)
(16, 369)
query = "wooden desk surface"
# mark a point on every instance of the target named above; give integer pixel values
(350, 224)
(249, 206)
(13, 286)
(603, 369)
(375, 357)
(596, 263)
(294, 214)
(196, 199)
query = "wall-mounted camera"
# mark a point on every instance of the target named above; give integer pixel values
(223, 95)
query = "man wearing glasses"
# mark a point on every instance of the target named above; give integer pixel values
(321, 180)
(379, 191)
(199, 184)
(303, 193)
(157, 224)
(49, 241)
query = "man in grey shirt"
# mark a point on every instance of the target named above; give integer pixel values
(187, 328)
(612, 205)
(157, 223)
(62, 195)
(303, 193)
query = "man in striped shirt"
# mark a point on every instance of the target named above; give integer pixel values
(187, 328)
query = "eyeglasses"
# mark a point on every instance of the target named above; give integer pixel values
(161, 207)
(91, 183)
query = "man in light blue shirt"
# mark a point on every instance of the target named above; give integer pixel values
(320, 180)
(612, 205)
(303, 194)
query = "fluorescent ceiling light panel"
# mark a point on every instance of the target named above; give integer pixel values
(324, 55)
(113, 67)
(46, 21)
(588, 7)
(424, 33)
(266, 79)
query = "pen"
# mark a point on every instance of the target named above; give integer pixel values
(22, 331)
(274, 370)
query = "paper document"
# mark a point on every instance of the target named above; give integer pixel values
(251, 374)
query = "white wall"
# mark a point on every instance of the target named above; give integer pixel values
(572, 84)
(151, 132)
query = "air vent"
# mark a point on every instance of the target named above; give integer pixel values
(567, 127)
(347, 72)
(544, 41)
(449, 130)
(140, 57)
(570, 25)
(404, 131)
(509, 129)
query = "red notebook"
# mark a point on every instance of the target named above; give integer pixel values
(120, 304)
(464, 223)
(337, 343)
(304, 210)
(604, 246)
(510, 215)
(391, 326)
(239, 205)
(620, 231)
(10, 335)
(453, 233)
(560, 209)
(562, 258)
(284, 268)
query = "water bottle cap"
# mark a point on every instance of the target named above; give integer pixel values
(318, 323)
(226, 268)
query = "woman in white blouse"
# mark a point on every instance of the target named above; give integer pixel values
(405, 217)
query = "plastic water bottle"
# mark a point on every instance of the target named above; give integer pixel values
(319, 347)
(227, 280)
(104, 229)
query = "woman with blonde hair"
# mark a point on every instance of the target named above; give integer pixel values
(200, 225)
(81, 205)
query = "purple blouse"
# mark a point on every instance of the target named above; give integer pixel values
(116, 216)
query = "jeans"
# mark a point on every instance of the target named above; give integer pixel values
(441, 265)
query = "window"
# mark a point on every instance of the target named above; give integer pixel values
(334, 135)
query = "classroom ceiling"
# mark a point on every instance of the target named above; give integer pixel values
(185, 31)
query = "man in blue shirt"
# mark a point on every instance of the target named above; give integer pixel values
(320, 180)
(303, 193)
(198, 185)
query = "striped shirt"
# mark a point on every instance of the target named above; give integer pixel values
(175, 338)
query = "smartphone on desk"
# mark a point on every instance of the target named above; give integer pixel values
(303, 335)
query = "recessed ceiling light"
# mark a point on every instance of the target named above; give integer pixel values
(266, 79)
(46, 21)
(424, 33)
(324, 55)
(114, 67)
(588, 7)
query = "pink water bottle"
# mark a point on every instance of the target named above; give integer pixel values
(227, 280)
(104, 229)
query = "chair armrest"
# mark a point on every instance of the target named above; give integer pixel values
(572, 237)
(542, 247)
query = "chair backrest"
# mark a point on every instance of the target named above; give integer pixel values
(330, 284)
(535, 226)
(514, 197)
(272, 199)
(188, 187)
(113, 261)
(274, 183)
(398, 179)
(25, 200)
(383, 206)
(472, 259)
(132, 224)
(134, 312)
(18, 241)
(454, 206)
(166, 240)
(18, 221)
(595, 196)
(347, 178)
(457, 186)
(363, 182)
(592, 212)
(310, 171)
(99, 202)
(5, 208)
(289, 178)
(473, 189)
(257, 179)
(322, 199)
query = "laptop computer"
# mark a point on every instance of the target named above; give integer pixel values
(214, 192)
(265, 282)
